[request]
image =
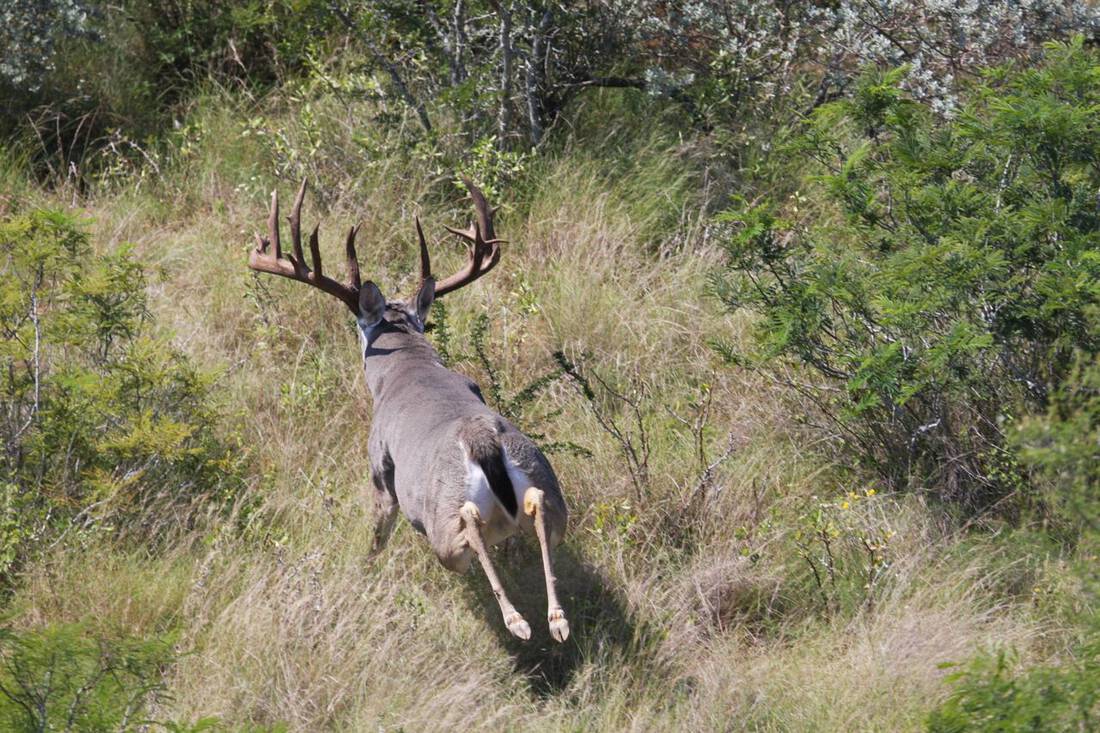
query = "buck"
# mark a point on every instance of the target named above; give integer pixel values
(460, 473)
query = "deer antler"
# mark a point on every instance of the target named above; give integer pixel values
(293, 266)
(484, 247)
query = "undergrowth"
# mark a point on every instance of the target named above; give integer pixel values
(727, 565)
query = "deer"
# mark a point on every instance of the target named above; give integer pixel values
(461, 474)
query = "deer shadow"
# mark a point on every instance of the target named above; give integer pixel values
(599, 624)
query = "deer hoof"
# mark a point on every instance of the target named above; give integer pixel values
(518, 626)
(559, 626)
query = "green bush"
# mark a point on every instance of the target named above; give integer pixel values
(105, 426)
(258, 42)
(1062, 447)
(948, 276)
(64, 679)
(90, 86)
(990, 697)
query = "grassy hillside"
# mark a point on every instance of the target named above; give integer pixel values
(729, 565)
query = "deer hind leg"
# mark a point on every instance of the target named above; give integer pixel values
(533, 507)
(471, 518)
(385, 498)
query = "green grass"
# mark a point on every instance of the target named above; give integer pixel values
(688, 611)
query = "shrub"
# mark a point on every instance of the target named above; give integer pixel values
(62, 678)
(187, 40)
(989, 696)
(751, 58)
(846, 544)
(1062, 447)
(104, 426)
(29, 32)
(950, 274)
(90, 86)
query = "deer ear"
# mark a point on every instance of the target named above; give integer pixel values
(424, 298)
(372, 304)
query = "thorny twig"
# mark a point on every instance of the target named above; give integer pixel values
(634, 449)
(706, 477)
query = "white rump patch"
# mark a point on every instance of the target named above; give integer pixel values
(478, 490)
(481, 494)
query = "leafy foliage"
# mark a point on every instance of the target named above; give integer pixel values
(29, 31)
(959, 278)
(990, 696)
(105, 426)
(65, 679)
(1062, 447)
(257, 41)
(501, 75)
(738, 60)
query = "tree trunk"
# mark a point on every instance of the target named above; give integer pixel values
(507, 53)
(458, 43)
(535, 68)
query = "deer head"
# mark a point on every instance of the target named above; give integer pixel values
(364, 299)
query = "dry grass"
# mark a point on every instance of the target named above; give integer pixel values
(685, 614)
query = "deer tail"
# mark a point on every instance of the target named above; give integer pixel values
(481, 439)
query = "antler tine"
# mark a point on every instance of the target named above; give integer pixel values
(273, 225)
(294, 266)
(484, 221)
(425, 259)
(296, 227)
(480, 247)
(315, 250)
(353, 260)
(485, 252)
(481, 206)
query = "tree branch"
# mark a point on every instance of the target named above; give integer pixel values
(386, 64)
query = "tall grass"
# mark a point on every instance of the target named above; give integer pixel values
(691, 597)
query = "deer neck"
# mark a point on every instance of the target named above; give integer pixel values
(392, 352)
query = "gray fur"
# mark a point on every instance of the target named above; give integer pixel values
(426, 418)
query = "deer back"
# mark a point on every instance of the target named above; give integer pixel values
(430, 424)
